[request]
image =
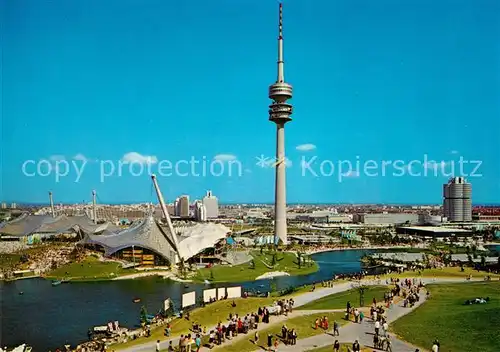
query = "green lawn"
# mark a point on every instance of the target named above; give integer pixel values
(343, 348)
(451, 272)
(286, 262)
(339, 300)
(89, 269)
(208, 316)
(458, 327)
(304, 325)
(9, 261)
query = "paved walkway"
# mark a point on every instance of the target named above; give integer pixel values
(326, 339)
(362, 332)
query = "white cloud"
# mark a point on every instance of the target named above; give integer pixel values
(305, 147)
(80, 157)
(57, 158)
(134, 157)
(454, 152)
(225, 157)
(248, 171)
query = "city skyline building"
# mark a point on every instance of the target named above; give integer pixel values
(279, 113)
(200, 211)
(211, 204)
(457, 200)
(183, 206)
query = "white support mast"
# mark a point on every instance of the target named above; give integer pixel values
(94, 210)
(164, 210)
(52, 210)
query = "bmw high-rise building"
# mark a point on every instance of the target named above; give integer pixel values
(457, 200)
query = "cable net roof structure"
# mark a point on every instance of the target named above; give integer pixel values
(150, 235)
(27, 224)
(194, 239)
(146, 233)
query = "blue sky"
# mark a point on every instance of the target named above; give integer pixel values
(150, 82)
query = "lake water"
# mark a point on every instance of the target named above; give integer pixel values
(46, 317)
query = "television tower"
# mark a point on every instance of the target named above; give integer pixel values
(279, 113)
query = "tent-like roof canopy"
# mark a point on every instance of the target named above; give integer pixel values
(29, 224)
(150, 235)
(194, 239)
(146, 233)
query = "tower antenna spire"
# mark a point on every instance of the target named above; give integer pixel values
(281, 63)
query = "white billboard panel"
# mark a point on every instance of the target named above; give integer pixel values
(189, 299)
(221, 293)
(234, 292)
(209, 294)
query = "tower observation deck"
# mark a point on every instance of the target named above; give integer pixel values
(279, 113)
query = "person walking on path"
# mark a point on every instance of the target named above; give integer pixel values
(336, 328)
(170, 347)
(377, 327)
(385, 326)
(157, 345)
(198, 343)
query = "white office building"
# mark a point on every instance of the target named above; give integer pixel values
(200, 211)
(211, 204)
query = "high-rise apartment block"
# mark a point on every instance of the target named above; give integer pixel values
(211, 204)
(457, 202)
(181, 206)
(200, 211)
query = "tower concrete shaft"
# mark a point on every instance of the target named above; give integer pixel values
(279, 113)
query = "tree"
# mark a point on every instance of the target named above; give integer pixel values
(469, 259)
(273, 260)
(182, 268)
(361, 290)
(144, 315)
(299, 259)
(446, 259)
(212, 278)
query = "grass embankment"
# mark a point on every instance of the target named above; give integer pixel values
(285, 261)
(447, 272)
(304, 325)
(339, 300)
(9, 261)
(91, 268)
(343, 348)
(208, 317)
(458, 327)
